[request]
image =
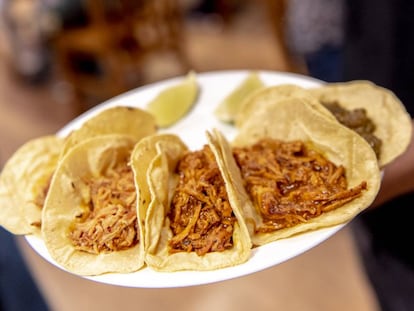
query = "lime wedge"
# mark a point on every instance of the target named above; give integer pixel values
(228, 109)
(173, 103)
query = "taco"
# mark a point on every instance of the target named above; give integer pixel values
(124, 120)
(324, 174)
(24, 182)
(90, 223)
(373, 111)
(189, 224)
(276, 93)
(33, 164)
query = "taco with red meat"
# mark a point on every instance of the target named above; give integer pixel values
(90, 223)
(291, 169)
(188, 220)
(25, 178)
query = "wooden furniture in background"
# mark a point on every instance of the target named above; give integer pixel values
(104, 57)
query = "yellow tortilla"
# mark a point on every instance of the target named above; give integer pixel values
(393, 123)
(28, 172)
(295, 119)
(160, 154)
(23, 181)
(114, 120)
(275, 93)
(68, 199)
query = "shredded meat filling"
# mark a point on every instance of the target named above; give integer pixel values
(110, 222)
(290, 183)
(202, 219)
(357, 120)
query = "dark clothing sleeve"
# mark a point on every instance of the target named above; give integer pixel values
(18, 291)
(379, 45)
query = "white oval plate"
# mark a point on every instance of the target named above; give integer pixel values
(214, 86)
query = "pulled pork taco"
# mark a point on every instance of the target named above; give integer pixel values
(373, 112)
(90, 223)
(24, 182)
(189, 222)
(292, 169)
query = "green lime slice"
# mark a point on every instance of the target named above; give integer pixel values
(228, 109)
(173, 103)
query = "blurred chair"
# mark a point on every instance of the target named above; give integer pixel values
(105, 57)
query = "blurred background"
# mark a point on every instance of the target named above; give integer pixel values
(60, 58)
